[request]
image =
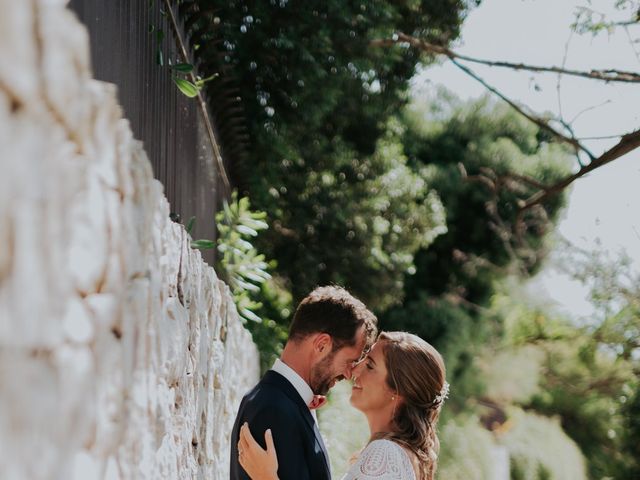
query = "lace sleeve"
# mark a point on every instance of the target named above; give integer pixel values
(382, 460)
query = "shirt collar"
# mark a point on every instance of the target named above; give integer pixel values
(296, 380)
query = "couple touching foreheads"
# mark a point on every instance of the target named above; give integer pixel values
(398, 383)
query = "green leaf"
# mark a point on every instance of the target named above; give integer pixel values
(255, 277)
(255, 224)
(247, 286)
(182, 67)
(186, 87)
(243, 244)
(227, 211)
(200, 82)
(159, 35)
(246, 230)
(190, 224)
(203, 244)
(243, 204)
(159, 57)
(249, 315)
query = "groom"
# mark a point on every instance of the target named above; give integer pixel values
(329, 333)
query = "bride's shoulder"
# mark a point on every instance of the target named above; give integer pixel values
(383, 460)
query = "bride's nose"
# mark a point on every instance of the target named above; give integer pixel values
(355, 369)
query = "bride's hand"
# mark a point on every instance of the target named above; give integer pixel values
(258, 463)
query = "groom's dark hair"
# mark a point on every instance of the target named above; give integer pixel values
(333, 310)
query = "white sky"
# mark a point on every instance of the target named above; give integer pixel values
(605, 205)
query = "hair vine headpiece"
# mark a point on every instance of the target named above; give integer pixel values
(442, 395)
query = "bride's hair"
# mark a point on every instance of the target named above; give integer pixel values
(415, 370)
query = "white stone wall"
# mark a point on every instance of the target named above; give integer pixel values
(121, 353)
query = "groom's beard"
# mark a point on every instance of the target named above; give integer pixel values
(322, 378)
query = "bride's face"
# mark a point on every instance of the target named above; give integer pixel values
(370, 391)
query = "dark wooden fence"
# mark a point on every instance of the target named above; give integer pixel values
(132, 44)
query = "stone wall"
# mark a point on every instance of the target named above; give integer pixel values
(121, 353)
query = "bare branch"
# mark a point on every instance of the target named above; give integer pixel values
(627, 143)
(602, 137)
(528, 180)
(543, 124)
(609, 75)
(558, 84)
(592, 107)
(538, 121)
(569, 129)
(631, 44)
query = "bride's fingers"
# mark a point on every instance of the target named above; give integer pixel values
(268, 438)
(243, 444)
(247, 438)
(271, 448)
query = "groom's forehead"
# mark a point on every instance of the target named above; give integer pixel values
(360, 348)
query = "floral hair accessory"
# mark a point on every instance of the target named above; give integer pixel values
(442, 395)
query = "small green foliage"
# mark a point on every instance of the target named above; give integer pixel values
(589, 21)
(262, 303)
(244, 268)
(190, 224)
(203, 244)
(182, 67)
(186, 87)
(200, 82)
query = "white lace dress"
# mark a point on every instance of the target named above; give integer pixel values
(382, 460)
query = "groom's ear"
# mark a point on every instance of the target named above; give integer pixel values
(322, 343)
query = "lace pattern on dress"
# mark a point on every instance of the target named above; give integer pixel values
(382, 460)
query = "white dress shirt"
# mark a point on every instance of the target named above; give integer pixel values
(303, 389)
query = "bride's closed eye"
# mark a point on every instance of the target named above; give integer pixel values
(355, 363)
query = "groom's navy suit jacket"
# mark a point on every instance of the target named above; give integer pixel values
(274, 403)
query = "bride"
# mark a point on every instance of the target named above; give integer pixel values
(400, 386)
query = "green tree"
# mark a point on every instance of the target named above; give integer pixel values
(588, 371)
(476, 156)
(323, 161)
(613, 337)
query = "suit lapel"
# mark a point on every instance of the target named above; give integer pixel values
(276, 379)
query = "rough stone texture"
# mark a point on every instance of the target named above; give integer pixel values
(121, 353)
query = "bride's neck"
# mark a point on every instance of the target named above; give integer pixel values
(380, 422)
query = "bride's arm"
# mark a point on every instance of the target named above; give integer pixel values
(258, 463)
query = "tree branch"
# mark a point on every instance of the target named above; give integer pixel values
(538, 121)
(400, 38)
(627, 143)
(609, 75)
